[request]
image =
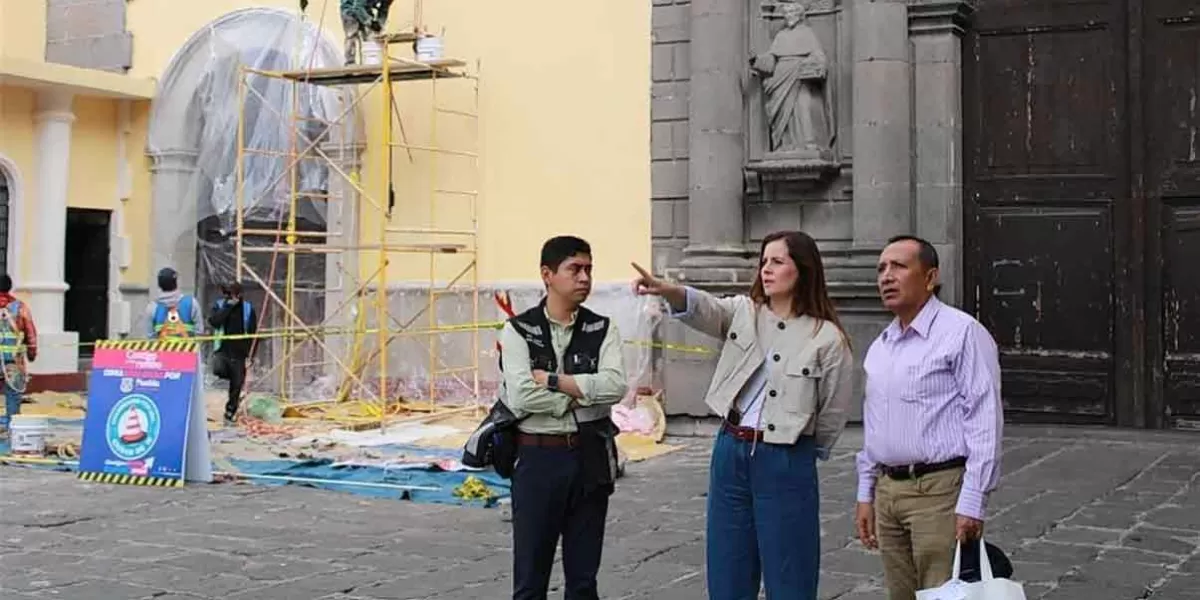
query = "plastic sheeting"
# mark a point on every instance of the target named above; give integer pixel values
(206, 93)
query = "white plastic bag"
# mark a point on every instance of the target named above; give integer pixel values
(987, 588)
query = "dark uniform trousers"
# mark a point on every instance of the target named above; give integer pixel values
(550, 498)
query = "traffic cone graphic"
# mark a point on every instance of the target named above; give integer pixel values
(131, 428)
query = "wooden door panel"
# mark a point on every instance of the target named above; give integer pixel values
(1172, 68)
(1049, 304)
(1046, 185)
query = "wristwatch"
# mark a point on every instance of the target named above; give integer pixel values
(552, 381)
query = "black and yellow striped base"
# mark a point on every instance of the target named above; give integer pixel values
(167, 345)
(130, 479)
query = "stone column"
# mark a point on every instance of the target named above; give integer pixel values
(58, 350)
(716, 149)
(936, 28)
(882, 106)
(173, 219)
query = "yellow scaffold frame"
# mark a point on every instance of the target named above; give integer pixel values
(369, 348)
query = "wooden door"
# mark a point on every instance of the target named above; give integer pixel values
(1047, 201)
(1172, 148)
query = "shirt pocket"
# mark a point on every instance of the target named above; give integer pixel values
(802, 386)
(926, 383)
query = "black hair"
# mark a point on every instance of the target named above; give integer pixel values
(168, 280)
(5, 283)
(927, 255)
(558, 249)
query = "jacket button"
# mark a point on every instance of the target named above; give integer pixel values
(772, 393)
(770, 427)
(776, 357)
(804, 371)
(733, 335)
(781, 325)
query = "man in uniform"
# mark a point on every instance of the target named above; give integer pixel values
(563, 371)
(18, 342)
(932, 425)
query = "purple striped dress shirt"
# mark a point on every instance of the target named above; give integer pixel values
(933, 394)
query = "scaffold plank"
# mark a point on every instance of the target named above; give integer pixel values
(398, 71)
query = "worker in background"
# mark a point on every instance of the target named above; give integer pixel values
(563, 371)
(18, 342)
(173, 314)
(233, 316)
(360, 18)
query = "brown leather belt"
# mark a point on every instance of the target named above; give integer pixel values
(901, 472)
(746, 434)
(568, 440)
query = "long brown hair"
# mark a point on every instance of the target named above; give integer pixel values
(810, 296)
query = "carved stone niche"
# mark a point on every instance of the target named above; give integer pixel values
(792, 75)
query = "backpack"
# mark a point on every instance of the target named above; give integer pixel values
(494, 442)
(218, 332)
(169, 321)
(11, 337)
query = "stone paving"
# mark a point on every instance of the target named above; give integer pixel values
(1084, 514)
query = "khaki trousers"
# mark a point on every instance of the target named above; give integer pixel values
(915, 525)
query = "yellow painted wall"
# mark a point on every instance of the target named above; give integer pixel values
(23, 29)
(17, 145)
(564, 129)
(93, 182)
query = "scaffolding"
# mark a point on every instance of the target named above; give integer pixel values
(359, 252)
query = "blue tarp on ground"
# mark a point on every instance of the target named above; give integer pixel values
(445, 481)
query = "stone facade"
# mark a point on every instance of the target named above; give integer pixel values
(89, 34)
(890, 84)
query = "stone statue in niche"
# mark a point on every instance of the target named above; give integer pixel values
(794, 71)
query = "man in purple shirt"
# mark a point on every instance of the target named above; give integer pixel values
(932, 421)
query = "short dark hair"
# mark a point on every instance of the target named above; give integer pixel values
(559, 248)
(168, 279)
(5, 283)
(927, 254)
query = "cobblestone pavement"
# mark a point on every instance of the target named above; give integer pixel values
(1084, 514)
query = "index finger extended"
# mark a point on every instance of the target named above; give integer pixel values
(641, 271)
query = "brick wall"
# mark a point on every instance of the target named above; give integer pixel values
(89, 34)
(669, 130)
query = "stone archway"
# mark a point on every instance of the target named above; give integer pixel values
(10, 218)
(193, 124)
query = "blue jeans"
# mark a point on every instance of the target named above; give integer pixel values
(763, 520)
(12, 403)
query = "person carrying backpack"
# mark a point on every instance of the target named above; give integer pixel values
(232, 316)
(173, 314)
(18, 344)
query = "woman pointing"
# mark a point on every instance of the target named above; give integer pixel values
(783, 386)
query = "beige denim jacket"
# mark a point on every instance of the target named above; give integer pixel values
(810, 395)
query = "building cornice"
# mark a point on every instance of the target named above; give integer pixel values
(927, 17)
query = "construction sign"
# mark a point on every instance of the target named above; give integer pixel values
(142, 414)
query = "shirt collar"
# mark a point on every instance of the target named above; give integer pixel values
(568, 324)
(920, 325)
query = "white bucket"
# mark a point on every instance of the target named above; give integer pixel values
(429, 48)
(28, 434)
(372, 52)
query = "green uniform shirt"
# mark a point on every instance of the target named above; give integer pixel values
(548, 409)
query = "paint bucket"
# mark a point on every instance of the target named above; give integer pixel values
(372, 52)
(28, 434)
(429, 48)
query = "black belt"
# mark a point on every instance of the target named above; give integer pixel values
(900, 472)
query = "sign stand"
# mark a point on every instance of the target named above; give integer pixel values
(146, 421)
